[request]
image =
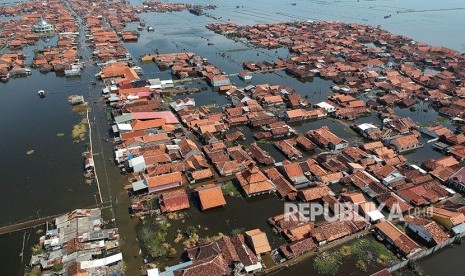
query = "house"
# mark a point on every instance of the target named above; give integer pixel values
(325, 138)
(314, 193)
(199, 175)
(294, 173)
(245, 75)
(393, 236)
(446, 218)
(326, 232)
(232, 254)
(369, 131)
(428, 230)
(388, 174)
(405, 143)
(253, 182)
(173, 201)
(326, 106)
(163, 182)
(182, 103)
(353, 197)
(218, 80)
(457, 180)
(369, 210)
(293, 249)
(257, 240)
(210, 197)
(137, 164)
(284, 188)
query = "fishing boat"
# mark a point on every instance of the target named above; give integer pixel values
(41, 93)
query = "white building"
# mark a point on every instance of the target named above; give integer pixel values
(43, 27)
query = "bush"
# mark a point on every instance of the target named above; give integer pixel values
(237, 231)
(191, 231)
(360, 265)
(58, 267)
(327, 264)
(228, 188)
(154, 239)
(346, 250)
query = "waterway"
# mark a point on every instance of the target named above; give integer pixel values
(50, 180)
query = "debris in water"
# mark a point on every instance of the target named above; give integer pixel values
(81, 109)
(79, 130)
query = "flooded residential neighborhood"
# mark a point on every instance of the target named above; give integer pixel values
(232, 138)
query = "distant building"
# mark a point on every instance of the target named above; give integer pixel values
(43, 26)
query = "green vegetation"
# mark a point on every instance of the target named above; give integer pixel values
(58, 267)
(35, 271)
(230, 189)
(345, 250)
(361, 265)
(237, 231)
(366, 251)
(153, 239)
(80, 130)
(327, 264)
(192, 237)
(81, 109)
(191, 231)
(36, 249)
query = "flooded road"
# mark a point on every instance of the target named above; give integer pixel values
(50, 180)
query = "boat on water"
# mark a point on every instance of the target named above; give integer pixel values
(137, 69)
(150, 29)
(140, 28)
(41, 93)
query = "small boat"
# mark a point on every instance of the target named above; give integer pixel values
(41, 93)
(140, 28)
(137, 69)
(150, 29)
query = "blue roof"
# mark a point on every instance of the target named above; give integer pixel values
(169, 270)
(459, 228)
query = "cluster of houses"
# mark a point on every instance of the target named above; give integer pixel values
(360, 58)
(236, 255)
(78, 244)
(105, 25)
(37, 21)
(160, 7)
(62, 58)
(189, 65)
(166, 151)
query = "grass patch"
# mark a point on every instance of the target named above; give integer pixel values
(366, 251)
(230, 189)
